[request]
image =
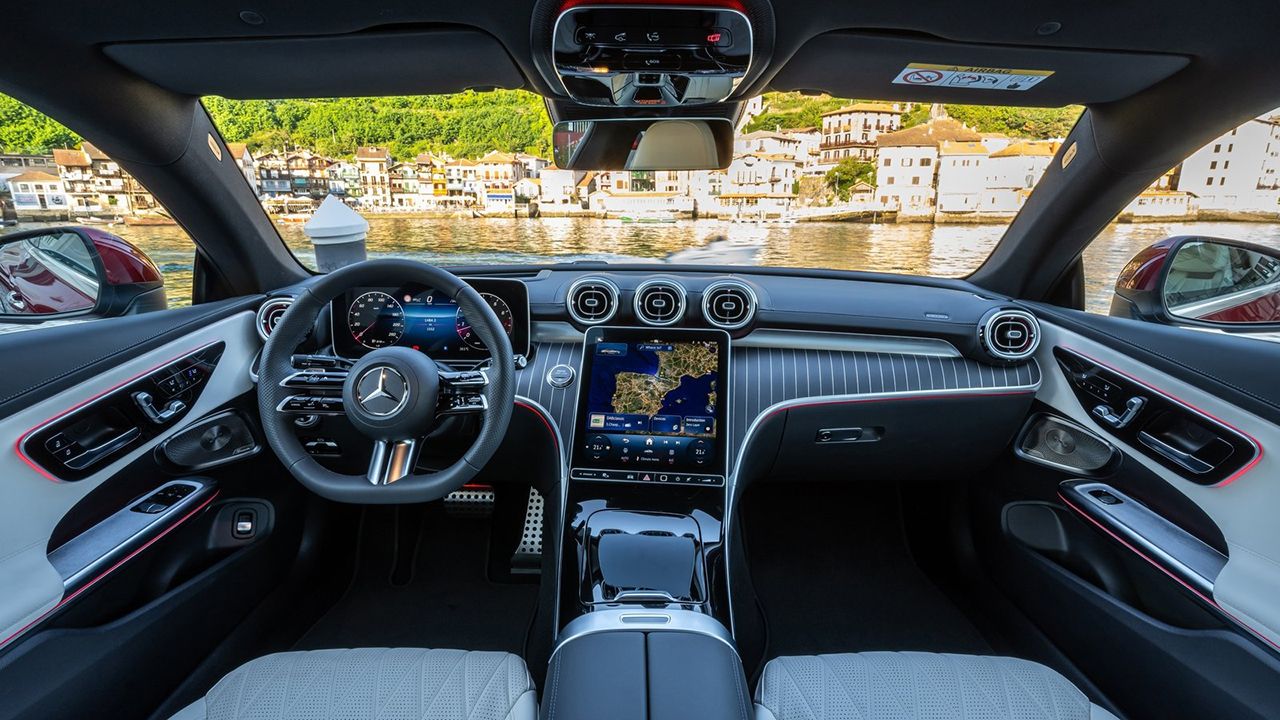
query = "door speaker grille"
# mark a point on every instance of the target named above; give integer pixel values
(1063, 445)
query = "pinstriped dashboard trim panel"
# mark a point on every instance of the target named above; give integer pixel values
(762, 377)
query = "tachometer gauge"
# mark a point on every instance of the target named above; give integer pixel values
(376, 320)
(500, 308)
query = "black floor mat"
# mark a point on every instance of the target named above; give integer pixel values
(421, 582)
(833, 572)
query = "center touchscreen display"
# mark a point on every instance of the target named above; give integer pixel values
(651, 406)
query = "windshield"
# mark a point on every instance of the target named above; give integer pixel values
(815, 181)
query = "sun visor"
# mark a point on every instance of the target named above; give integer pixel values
(365, 64)
(886, 67)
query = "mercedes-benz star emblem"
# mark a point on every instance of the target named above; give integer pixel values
(382, 391)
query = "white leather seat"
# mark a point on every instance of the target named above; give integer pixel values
(373, 683)
(915, 686)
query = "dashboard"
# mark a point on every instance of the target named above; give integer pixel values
(367, 318)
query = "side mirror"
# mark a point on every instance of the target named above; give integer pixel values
(1211, 282)
(70, 271)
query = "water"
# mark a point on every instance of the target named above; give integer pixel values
(920, 249)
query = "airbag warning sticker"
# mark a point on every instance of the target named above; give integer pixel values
(972, 78)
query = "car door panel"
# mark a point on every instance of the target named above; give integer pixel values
(42, 362)
(63, 369)
(1242, 506)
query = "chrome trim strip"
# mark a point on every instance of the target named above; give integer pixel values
(640, 619)
(781, 339)
(1180, 551)
(847, 342)
(97, 548)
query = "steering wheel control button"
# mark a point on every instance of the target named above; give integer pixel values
(561, 376)
(316, 379)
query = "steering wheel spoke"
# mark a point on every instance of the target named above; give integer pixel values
(462, 392)
(392, 460)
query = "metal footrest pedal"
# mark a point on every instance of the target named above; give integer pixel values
(527, 559)
(475, 501)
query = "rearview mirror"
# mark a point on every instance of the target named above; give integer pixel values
(643, 145)
(1203, 281)
(69, 271)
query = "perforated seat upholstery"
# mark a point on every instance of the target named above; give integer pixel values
(916, 686)
(372, 684)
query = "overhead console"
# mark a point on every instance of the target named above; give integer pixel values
(647, 56)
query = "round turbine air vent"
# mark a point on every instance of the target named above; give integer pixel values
(729, 304)
(659, 302)
(269, 314)
(1009, 335)
(592, 300)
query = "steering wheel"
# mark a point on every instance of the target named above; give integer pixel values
(393, 395)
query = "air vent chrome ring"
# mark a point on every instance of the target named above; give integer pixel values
(592, 300)
(729, 304)
(1009, 335)
(269, 314)
(659, 302)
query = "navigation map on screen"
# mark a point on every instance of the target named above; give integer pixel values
(652, 404)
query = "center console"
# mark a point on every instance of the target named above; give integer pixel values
(643, 549)
(643, 611)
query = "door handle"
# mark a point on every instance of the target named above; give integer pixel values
(147, 405)
(102, 450)
(1117, 422)
(1173, 454)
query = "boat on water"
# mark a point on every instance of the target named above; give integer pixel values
(292, 218)
(648, 216)
(149, 219)
(90, 220)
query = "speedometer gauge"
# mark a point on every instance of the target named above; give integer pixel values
(500, 308)
(376, 320)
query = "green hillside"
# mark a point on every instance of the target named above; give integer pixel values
(793, 110)
(464, 124)
(470, 124)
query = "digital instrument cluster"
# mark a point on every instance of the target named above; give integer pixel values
(365, 319)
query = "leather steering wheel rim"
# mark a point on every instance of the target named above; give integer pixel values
(276, 364)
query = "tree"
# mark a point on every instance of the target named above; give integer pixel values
(847, 173)
(23, 129)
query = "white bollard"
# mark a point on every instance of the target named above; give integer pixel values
(337, 232)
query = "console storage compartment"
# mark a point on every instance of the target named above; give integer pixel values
(645, 665)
